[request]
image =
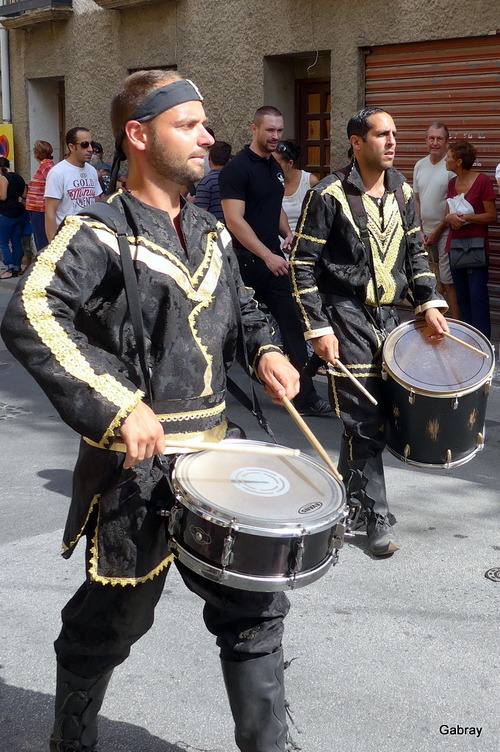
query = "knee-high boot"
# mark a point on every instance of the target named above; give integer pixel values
(365, 486)
(78, 702)
(256, 694)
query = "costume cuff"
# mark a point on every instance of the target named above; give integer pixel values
(431, 304)
(313, 333)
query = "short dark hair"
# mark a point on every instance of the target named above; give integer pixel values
(263, 111)
(220, 153)
(43, 150)
(71, 134)
(465, 151)
(289, 148)
(133, 91)
(4, 163)
(358, 125)
(98, 148)
(437, 124)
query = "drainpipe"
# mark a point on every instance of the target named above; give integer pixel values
(4, 62)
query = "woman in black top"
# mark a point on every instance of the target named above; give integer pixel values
(12, 210)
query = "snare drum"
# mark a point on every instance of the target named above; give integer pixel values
(254, 521)
(436, 393)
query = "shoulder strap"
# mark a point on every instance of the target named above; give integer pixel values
(357, 208)
(118, 223)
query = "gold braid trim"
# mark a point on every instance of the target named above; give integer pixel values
(113, 581)
(207, 413)
(119, 418)
(53, 335)
(73, 543)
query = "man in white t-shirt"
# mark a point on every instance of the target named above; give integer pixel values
(73, 184)
(430, 183)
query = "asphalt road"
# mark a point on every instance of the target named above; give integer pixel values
(395, 655)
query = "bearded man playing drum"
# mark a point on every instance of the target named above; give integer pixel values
(356, 252)
(69, 324)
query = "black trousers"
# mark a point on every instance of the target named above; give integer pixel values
(102, 622)
(276, 294)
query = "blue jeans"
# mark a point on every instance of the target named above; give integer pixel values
(38, 227)
(11, 229)
(471, 286)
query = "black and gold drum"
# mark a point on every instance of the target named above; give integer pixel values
(436, 393)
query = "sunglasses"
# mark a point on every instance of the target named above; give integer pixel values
(85, 144)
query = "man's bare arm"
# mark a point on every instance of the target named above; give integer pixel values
(51, 205)
(234, 215)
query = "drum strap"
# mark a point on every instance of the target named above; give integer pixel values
(120, 224)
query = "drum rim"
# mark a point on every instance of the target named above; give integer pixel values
(228, 577)
(435, 465)
(429, 393)
(295, 528)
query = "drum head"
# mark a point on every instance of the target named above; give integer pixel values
(259, 492)
(437, 367)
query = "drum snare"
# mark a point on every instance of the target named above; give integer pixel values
(436, 393)
(256, 522)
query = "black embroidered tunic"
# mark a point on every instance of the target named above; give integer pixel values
(68, 324)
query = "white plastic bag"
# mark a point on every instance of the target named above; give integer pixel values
(459, 205)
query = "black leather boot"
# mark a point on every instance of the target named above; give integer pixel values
(365, 487)
(256, 694)
(78, 702)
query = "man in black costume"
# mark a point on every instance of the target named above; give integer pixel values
(69, 324)
(357, 252)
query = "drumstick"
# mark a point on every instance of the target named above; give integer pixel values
(223, 446)
(466, 344)
(354, 380)
(311, 437)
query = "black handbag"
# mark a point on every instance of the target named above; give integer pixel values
(468, 253)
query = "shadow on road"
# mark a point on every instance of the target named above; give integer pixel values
(26, 719)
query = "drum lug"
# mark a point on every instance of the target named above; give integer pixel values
(406, 451)
(447, 463)
(411, 397)
(454, 403)
(384, 373)
(336, 537)
(174, 521)
(227, 550)
(480, 441)
(297, 555)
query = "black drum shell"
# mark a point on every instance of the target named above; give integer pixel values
(439, 431)
(435, 393)
(252, 555)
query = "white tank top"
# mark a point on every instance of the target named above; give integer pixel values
(293, 204)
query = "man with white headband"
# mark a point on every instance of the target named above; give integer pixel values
(69, 324)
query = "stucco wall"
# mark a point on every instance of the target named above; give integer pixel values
(222, 44)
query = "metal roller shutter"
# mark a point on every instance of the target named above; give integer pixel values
(456, 81)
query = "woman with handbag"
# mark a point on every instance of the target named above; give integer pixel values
(468, 244)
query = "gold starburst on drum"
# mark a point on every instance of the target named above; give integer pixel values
(433, 429)
(472, 419)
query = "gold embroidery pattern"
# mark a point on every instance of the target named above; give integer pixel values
(385, 246)
(52, 334)
(336, 190)
(195, 290)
